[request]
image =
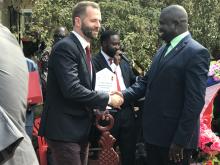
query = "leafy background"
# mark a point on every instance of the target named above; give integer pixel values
(137, 22)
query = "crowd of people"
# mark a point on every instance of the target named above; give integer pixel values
(173, 90)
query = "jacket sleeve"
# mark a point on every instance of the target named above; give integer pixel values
(195, 86)
(65, 65)
(136, 91)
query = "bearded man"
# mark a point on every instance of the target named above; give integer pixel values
(70, 97)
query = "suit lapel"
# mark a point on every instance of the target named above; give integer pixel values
(75, 39)
(174, 52)
(125, 74)
(157, 65)
(103, 62)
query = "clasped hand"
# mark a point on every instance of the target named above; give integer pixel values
(116, 99)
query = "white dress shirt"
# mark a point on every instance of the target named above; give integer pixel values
(116, 69)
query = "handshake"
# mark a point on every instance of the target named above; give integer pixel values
(116, 99)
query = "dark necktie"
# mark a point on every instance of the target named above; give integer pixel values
(164, 52)
(166, 48)
(88, 59)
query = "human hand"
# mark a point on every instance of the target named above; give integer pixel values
(117, 57)
(176, 153)
(117, 93)
(116, 99)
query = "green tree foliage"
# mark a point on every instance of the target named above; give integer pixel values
(49, 14)
(137, 26)
(137, 22)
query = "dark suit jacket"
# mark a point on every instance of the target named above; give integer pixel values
(174, 92)
(67, 114)
(100, 63)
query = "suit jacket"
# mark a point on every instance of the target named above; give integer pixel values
(70, 98)
(174, 90)
(100, 63)
(15, 145)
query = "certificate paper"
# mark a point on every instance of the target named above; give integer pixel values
(104, 80)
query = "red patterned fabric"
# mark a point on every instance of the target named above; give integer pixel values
(209, 142)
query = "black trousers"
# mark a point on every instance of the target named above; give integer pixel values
(157, 155)
(67, 153)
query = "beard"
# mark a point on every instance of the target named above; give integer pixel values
(111, 52)
(163, 35)
(88, 31)
(167, 36)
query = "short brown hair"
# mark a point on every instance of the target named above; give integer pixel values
(80, 8)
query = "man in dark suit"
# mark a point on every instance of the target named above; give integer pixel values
(124, 125)
(70, 98)
(174, 90)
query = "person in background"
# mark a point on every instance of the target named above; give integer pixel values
(29, 49)
(15, 145)
(32, 66)
(59, 33)
(110, 56)
(174, 90)
(70, 99)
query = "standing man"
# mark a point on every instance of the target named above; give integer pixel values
(15, 145)
(70, 97)
(174, 91)
(124, 125)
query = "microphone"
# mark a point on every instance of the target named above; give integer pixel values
(123, 56)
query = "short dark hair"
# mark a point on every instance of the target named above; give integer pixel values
(80, 8)
(106, 35)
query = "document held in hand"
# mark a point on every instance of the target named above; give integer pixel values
(34, 88)
(105, 80)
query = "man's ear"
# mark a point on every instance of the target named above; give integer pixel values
(77, 21)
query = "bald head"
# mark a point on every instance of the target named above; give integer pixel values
(173, 22)
(59, 33)
(176, 13)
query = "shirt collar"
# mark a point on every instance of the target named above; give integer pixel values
(178, 38)
(112, 66)
(83, 42)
